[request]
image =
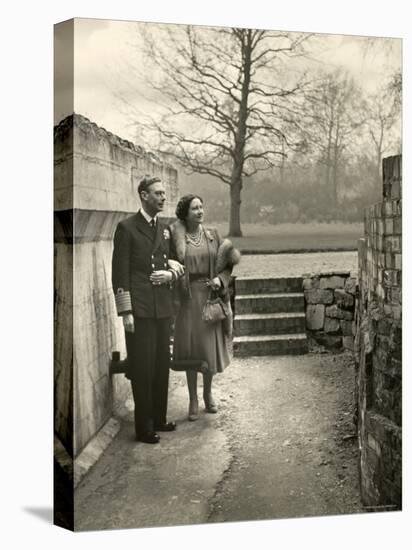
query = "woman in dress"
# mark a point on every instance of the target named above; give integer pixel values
(208, 264)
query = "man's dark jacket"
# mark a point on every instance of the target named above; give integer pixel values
(138, 250)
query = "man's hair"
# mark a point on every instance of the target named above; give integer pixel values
(146, 182)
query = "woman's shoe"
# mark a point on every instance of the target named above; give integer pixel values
(193, 410)
(210, 405)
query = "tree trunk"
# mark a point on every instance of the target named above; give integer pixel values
(378, 176)
(328, 160)
(239, 150)
(282, 165)
(331, 124)
(235, 201)
(335, 181)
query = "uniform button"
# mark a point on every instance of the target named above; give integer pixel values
(165, 265)
(152, 256)
(153, 265)
(164, 255)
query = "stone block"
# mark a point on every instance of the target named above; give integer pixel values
(337, 313)
(380, 291)
(398, 261)
(332, 282)
(396, 190)
(388, 260)
(350, 285)
(318, 296)
(344, 299)
(315, 317)
(396, 295)
(390, 277)
(388, 224)
(332, 326)
(397, 225)
(388, 244)
(346, 327)
(311, 283)
(384, 326)
(387, 208)
(348, 342)
(379, 226)
(397, 312)
(396, 244)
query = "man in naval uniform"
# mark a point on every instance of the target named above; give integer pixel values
(143, 272)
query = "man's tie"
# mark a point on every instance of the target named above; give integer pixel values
(153, 223)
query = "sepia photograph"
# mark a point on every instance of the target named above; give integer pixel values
(227, 274)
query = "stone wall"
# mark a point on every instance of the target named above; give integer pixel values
(379, 345)
(95, 186)
(330, 306)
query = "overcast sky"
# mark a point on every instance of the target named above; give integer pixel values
(103, 50)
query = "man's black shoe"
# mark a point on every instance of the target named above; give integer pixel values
(148, 437)
(166, 427)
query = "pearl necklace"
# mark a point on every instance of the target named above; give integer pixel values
(195, 239)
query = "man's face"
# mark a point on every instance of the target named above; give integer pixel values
(154, 198)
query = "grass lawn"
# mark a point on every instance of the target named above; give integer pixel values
(297, 237)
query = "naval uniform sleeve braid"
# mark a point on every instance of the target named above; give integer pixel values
(121, 270)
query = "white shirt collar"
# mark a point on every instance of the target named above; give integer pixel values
(147, 217)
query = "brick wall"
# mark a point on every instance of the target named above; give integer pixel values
(330, 306)
(95, 186)
(378, 345)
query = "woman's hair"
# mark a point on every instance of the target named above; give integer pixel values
(183, 205)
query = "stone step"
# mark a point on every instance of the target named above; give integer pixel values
(267, 285)
(269, 323)
(280, 344)
(269, 303)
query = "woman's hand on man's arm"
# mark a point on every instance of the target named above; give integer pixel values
(177, 267)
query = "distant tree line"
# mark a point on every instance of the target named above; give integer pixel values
(298, 194)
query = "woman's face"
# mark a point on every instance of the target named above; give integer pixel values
(195, 212)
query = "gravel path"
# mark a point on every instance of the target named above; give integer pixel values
(295, 265)
(282, 445)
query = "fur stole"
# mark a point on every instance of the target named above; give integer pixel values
(227, 255)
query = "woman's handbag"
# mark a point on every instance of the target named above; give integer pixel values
(214, 310)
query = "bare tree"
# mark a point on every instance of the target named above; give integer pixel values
(334, 114)
(225, 106)
(382, 112)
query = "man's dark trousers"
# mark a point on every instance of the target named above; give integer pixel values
(149, 358)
